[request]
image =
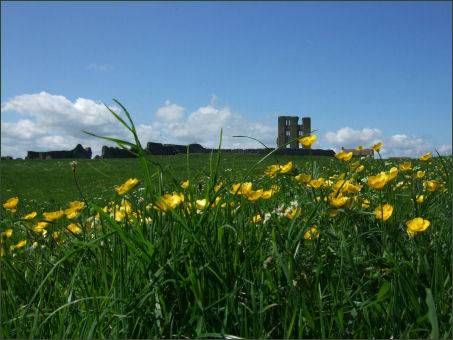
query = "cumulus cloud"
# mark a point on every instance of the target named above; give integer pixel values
(52, 122)
(55, 122)
(394, 145)
(170, 112)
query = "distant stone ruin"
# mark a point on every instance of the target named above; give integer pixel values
(173, 149)
(113, 152)
(79, 152)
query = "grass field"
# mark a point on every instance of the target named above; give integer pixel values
(225, 247)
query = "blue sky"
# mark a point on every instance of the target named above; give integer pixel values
(384, 67)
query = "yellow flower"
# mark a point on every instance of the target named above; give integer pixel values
(185, 184)
(303, 178)
(419, 199)
(377, 147)
(286, 168)
(201, 204)
(169, 202)
(271, 170)
(416, 225)
(77, 205)
(241, 188)
(126, 186)
(338, 201)
(119, 215)
(360, 147)
(392, 173)
(365, 203)
(378, 181)
(344, 156)
(74, 228)
(11, 204)
(406, 166)
(420, 174)
(312, 233)
(256, 219)
(316, 183)
(19, 245)
(360, 168)
(383, 212)
(7, 233)
(255, 195)
(40, 227)
(54, 215)
(426, 156)
(293, 213)
(431, 185)
(56, 234)
(267, 194)
(308, 141)
(30, 216)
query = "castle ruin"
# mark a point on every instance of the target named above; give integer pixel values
(289, 129)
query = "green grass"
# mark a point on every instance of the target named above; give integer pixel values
(49, 184)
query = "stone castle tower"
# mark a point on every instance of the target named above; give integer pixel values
(290, 129)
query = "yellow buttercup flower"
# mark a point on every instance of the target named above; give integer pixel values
(378, 181)
(416, 225)
(241, 188)
(383, 212)
(292, 213)
(76, 205)
(406, 166)
(286, 168)
(267, 194)
(201, 204)
(7, 233)
(255, 195)
(303, 178)
(54, 215)
(359, 148)
(30, 216)
(19, 245)
(316, 183)
(344, 156)
(256, 219)
(338, 201)
(169, 202)
(419, 199)
(426, 156)
(431, 186)
(377, 147)
(392, 173)
(185, 184)
(74, 228)
(126, 186)
(360, 168)
(11, 204)
(420, 174)
(40, 227)
(365, 203)
(271, 170)
(308, 141)
(311, 233)
(218, 186)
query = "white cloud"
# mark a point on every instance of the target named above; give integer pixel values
(350, 138)
(53, 122)
(170, 112)
(395, 145)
